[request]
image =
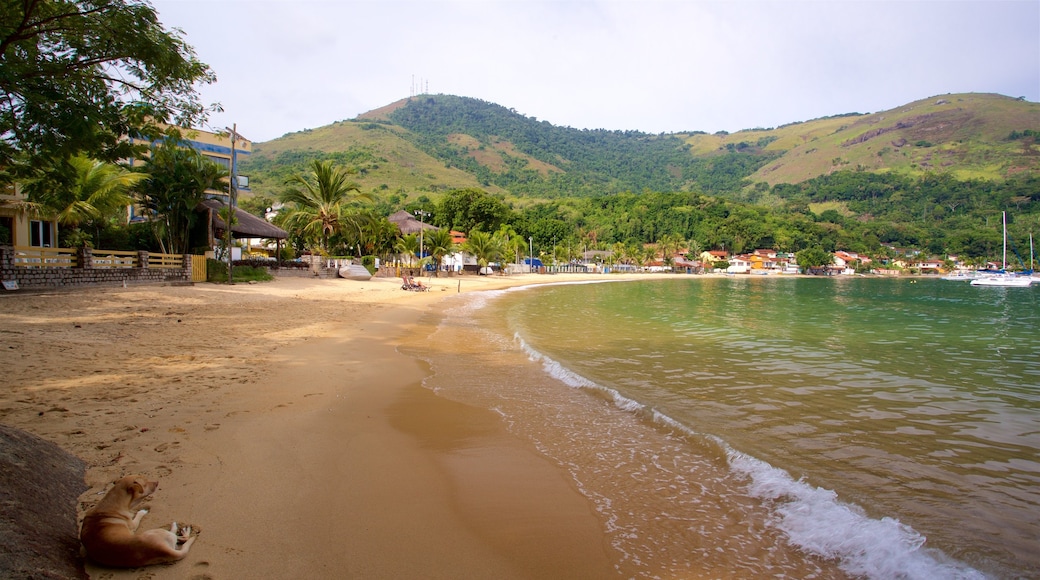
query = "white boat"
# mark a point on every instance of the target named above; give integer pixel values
(1003, 278)
(355, 272)
(961, 277)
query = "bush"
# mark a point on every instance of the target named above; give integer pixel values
(369, 262)
(242, 270)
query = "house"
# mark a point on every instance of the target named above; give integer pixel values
(688, 266)
(929, 266)
(739, 265)
(710, 257)
(763, 261)
(16, 228)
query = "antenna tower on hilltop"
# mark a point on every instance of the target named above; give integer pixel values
(423, 87)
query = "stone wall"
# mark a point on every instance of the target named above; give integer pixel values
(85, 274)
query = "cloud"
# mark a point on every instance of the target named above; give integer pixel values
(650, 65)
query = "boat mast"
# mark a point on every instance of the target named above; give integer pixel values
(1003, 218)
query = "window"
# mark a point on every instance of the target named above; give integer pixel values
(221, 161)
(41, 234)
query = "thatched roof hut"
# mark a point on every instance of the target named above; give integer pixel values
(247, 226)
(407, 223)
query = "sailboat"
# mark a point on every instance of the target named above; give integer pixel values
(1033, 275)
(1003, 278)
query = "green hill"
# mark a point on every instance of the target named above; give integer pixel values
(432, 143)
(964, 135)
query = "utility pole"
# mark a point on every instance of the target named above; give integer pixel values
(232, 202)
(422, 229)
(530, 263)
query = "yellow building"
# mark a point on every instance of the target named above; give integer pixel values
(215, 147)
(16, 229)
(19, 229)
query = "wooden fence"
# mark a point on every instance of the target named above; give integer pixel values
(28, 257)
(24, 267)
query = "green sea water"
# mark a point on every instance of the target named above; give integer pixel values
(766, 426)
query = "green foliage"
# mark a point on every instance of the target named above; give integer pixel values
(813, 258)
(243, 271)
(439, 244)
(596, 161)
(77, 76)
(322, 204)
(469, 209)
(485, 247)
(95, 197)
(766, 188)
(369, 262)
(178, 177)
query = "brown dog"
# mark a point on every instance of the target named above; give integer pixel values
(108, 535)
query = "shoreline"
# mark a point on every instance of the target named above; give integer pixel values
(281, 420)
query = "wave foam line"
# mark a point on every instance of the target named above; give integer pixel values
(812, 518)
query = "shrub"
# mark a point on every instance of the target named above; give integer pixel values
(242, 270)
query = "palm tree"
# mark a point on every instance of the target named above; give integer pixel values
(176, 183)
(321, 203)
(513, 244)
(486, 247)
(620, 253)
(670, 245)
(98, 191)
(438, 244)
(408, 245)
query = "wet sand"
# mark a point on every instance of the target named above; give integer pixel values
(282, 421)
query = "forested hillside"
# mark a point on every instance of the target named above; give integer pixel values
(932, 175)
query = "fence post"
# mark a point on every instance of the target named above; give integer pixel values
(142, 258)
(186, 264)
(85, 257)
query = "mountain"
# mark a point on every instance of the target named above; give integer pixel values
(428, 144)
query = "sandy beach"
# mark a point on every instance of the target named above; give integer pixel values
(282, 421)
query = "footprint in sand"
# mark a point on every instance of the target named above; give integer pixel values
(212, 427)
(164, 446)
(200, 573)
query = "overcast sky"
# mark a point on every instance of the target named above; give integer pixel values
(653, 66)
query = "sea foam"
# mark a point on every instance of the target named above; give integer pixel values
(813, 519)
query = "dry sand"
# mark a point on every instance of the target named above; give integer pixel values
(280, 420)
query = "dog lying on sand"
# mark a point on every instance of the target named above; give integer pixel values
(108, 529)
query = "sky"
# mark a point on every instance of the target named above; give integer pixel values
(647, 65)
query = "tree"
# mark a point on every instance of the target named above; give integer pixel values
(471, 209)
(408, 245)
(513, 244)
(100, 191)
(670, 245)
(321, 203)
(78, 76)
(439, 244)
(814, 258)
(178, 177)
(486, 247)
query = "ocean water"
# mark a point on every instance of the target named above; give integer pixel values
(773, 427)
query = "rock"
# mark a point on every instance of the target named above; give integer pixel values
(40, 485)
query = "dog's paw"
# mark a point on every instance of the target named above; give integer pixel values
(142, 513)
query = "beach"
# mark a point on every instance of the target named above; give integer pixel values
(283, 423)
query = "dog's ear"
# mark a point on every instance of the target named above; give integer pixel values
(136, 488)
